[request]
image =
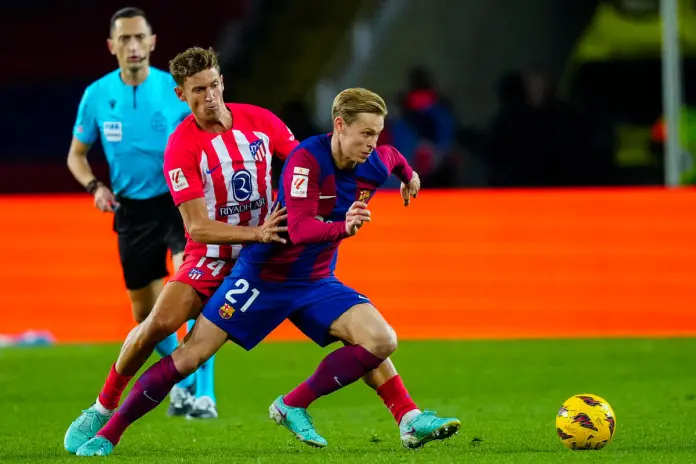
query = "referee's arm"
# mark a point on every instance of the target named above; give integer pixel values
(78, 164)
(85, 133)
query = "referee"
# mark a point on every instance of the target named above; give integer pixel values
(133, 110)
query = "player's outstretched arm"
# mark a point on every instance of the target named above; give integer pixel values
(204, 230)
(397, 165)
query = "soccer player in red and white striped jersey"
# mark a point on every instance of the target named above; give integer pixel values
(230, 171)
(218, 168)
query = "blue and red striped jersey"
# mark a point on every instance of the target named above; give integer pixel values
(317, 195)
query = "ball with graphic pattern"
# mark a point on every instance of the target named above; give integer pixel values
(585, 422)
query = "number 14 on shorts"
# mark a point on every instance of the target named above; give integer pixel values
(243, 292)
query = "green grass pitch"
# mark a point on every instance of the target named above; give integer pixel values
(505, 392)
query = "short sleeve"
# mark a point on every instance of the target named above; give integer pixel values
(85, 129)
(181, 167)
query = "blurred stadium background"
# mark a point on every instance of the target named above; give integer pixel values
(538, 128)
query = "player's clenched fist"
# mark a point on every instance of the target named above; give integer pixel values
(411, 189)
(270, 229)
(356, 216)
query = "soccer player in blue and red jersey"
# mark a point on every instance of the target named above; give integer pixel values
(326, 184)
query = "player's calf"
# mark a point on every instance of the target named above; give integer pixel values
(176, 304)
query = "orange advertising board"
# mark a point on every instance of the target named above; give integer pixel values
(454, 264)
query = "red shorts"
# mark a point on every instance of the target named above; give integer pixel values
(203, 274)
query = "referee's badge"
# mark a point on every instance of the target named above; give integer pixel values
(113, 131)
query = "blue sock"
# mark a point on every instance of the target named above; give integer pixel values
(165, 348)
(205, 384)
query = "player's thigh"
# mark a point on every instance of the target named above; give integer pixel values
(177, 303)
(360, 323)
(333, 311)
(248, 309)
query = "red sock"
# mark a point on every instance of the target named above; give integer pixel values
(396, 398)
(110, 395)
(148, 392)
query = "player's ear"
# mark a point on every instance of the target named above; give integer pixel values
(154, 41)
(179, 93)
(222, 82)
(110, 46)
(339, 125)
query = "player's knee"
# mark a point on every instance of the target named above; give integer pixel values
(158, 326)
(187, 362)
(383, 342)
(189, 358)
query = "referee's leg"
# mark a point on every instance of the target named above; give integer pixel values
(143, 262)
(143, 250)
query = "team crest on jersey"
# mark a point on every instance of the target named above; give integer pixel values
(195, 274)
(226, 311)
(257, 149)
(364, 195)
(158, 122)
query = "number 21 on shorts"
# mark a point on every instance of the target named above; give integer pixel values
(241, 289)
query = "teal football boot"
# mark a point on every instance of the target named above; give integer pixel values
(84, 428)
(298, 421)
(97, 446)
(426, 427)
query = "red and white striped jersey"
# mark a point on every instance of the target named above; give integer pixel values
(231, 171)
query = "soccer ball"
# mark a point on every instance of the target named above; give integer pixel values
(585, 421)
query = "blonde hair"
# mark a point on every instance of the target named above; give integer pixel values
(191, 62)
(351, 102)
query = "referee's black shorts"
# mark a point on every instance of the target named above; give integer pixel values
(146, 230)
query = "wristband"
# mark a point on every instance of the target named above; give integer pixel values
(92, 186)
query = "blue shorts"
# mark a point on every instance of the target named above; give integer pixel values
(249, 309)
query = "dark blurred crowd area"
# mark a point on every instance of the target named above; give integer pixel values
(534, 139)
(536, 136)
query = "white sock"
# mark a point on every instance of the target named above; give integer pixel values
(101, 409)
(409, 416)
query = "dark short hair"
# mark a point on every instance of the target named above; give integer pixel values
(128, 12)
(191, 62)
